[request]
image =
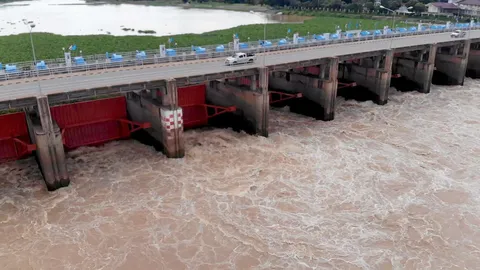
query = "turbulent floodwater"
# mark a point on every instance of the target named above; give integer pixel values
(392, 187)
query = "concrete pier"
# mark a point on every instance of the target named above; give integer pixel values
(46, 134)
(320, 89)
(418, 69)
(252, 102)
(452, 62)
(375, 75)
(473, 66)
(160, 108)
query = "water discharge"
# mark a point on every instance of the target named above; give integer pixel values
(380, 187)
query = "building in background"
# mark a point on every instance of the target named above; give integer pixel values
(443, 8)
(470, 7)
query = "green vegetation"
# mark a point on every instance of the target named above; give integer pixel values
(16, 48)
(10, 111)
(350, 5)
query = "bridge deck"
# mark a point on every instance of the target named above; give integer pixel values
(26, 88)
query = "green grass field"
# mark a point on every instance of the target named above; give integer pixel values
(16, 48)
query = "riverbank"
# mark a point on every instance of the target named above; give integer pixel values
(16, 48)
(177, 3)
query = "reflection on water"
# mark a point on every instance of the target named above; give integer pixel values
(380, 187)
(72, 17)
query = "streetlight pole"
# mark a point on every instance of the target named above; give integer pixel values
(394, 13)
(264, 39)
(30, 28)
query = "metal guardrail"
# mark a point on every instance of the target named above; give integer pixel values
(98, 62)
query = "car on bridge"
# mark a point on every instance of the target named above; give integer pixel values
(240, 58)
(458, 34)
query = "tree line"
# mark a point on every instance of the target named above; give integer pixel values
(350, 5)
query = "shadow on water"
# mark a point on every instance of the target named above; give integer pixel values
(234, 120)
(145, 138)
(439, 78)
(472, 74)
(358, 93)
(305, 107)
(402, 84)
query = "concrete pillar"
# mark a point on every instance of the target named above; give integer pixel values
(154, 94)
(253, 82)
(165, 116)
(473, 66)
(322, 68)
(375, 79)
(454, 66)
(262, 123)
(46, 134)
(419, 72)
(376, 62)
(330, 88)
(252, 105)
(428, 68)
(322, 93)
(169, 94)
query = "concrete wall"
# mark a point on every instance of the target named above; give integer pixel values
(142, 108)
(452, 67)
(419, 72)
(253, 105)
(50, 152)
(473, 65)
(321, 92)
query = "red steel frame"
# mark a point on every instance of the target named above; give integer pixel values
(345, 85)
(132, 127)
(282, 96)
(20, 148)
(202, 120)
(192, 99)
(14, 138)
(94, 122)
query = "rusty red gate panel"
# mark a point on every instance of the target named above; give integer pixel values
(94, 122)
(246, 81)
(192, 95)
(192, 99)
(315, 70)
(14, 138)
(195, 116)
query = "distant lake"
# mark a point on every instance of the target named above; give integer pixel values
(75, 17)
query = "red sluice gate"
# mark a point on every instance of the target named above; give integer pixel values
(246, 81)
(192, 99)
(346, 85)
(276, 97)
(94, 122)
(14, 139)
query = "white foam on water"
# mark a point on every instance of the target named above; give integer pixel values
(380, 187)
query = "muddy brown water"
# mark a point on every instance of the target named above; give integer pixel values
(380, 187)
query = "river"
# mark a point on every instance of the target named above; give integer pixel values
(74, 17)
(380, 187)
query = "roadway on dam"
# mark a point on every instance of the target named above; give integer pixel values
(25, 88)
